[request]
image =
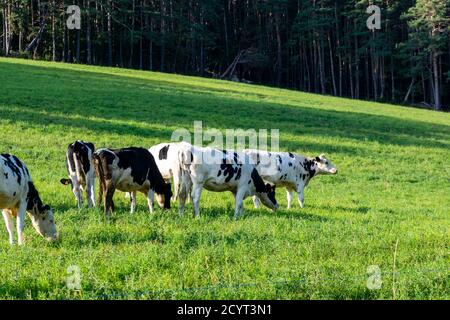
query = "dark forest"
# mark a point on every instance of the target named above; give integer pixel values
(315, 46)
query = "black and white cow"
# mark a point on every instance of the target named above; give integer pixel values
(130, 170)
(289, 170)
(220, 171)
(168, 159)
(19, 195)
(81, 171)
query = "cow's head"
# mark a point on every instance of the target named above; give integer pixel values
(268, 197)
(163, 199)
(41, 215)
(44, 222)
(324, 165)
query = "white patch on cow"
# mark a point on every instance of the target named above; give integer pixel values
(171, 168)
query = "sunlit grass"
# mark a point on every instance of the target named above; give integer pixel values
(393, 185)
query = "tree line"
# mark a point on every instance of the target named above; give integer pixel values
(319, 46)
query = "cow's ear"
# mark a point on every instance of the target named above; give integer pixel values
(318, 159)
(268, 187)
(65, 182)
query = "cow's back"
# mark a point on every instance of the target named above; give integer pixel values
(14, 179)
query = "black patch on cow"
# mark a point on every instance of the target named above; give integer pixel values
(69, 161)
(81, 150)
(279, 159)
(138, 160)
(309, 166)
(6, 175)
(18, 162)
(271, 193)
(258, 182)
(249, 181)
(235, 157)
(291, 155)
(14, 194)
(33, 198)
(290, 164)
(219, 173)
(7, 159)
(228, 171)
(238, 175)
(163, 153)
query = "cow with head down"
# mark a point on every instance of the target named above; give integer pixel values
(130, 170)
(222, 170)
(19, 195)
(289, 170)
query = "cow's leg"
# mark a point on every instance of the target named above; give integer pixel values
(109, 203)
(90, 192)
(182, 197)
(188, 185)
(301, 196)
(9, 225)
(177, 180)
(77, 191)
(151, 199)
(239, 204)
(196, 194)
(290, 197)
(256, 202)
(133, 201)
(20, 222)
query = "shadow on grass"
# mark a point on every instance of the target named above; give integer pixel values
(130, 101)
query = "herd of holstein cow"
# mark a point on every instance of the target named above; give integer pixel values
(131, 170)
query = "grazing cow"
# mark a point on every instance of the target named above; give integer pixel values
(81, 171)
(220, 171)
(19, 195)
(130, 170)
(292, 171)
(168, 160)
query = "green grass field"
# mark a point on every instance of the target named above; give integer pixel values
(392, 187)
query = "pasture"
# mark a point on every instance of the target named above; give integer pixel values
(389, 206)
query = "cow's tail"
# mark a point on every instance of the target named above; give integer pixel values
(78, 167)
(100, 175)
(185, 158)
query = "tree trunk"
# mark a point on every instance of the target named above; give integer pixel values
(88, 33)
(333, 78)
(109, 13)
(53, 32)
(163, 35)
(279, 65)
(437, 95)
